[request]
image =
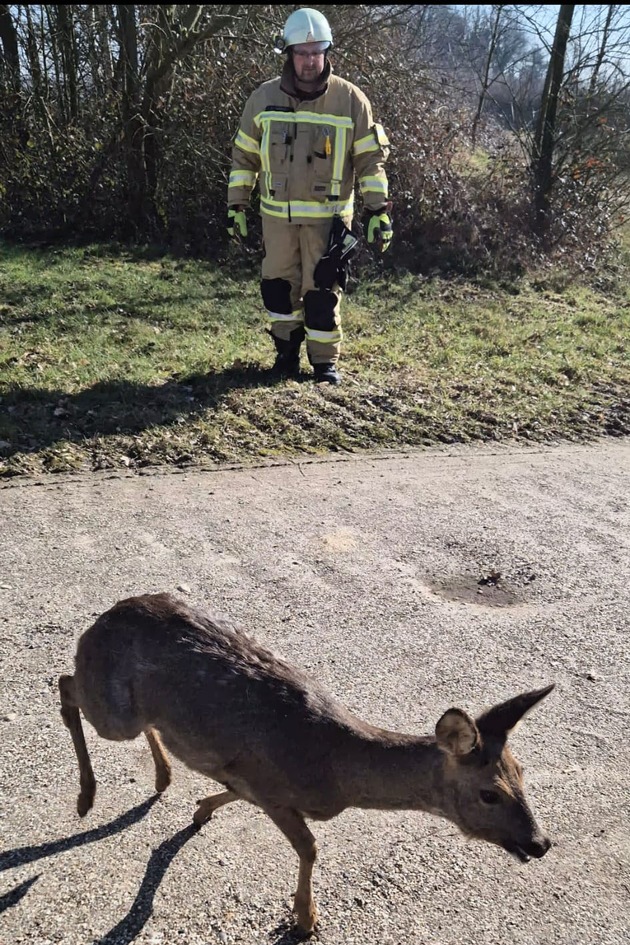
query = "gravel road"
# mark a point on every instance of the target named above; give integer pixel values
(408, 583)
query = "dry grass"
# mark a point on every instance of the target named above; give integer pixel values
(112, 358)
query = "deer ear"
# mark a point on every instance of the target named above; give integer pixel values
(456, 733)
(501, 719)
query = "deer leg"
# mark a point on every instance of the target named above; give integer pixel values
(162, 764)
(208, 805)
(72, 720)
(293, 826)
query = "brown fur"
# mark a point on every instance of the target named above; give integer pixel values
(231, 710)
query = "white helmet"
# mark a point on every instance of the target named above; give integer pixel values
(306, 26)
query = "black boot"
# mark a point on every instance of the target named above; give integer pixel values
(326, 374)
(287, 363)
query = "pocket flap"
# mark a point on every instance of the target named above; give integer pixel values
(278, 185)
(320, 189)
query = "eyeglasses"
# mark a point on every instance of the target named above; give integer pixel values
(313, 49)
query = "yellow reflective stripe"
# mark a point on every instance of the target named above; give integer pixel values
(338, 161)
(318, 211)
(281, 214)
(373, 185)
(297, 316)
(264, 151)
(242, 179)
(305, 208)
(245, 143)
(312, 118)
(365, 145)
(265, 160)
(381, 137)
(327, 337)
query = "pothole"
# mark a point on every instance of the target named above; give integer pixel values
(485, 590)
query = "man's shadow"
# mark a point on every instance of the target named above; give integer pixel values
(39, 417)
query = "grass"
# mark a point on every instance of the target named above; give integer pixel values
(117, 358)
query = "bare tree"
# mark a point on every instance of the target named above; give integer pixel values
(544, 140)
(485, 79)
(9, 50)
(119, 118)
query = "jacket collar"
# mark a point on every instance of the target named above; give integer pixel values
(287, 82)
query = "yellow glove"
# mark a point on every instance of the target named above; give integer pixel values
(237, 223)
(379, 230)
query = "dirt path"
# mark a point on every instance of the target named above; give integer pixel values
(408, 583)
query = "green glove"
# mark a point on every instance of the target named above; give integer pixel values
(237, 224)
(379, 230)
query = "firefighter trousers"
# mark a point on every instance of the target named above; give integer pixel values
(290, 253)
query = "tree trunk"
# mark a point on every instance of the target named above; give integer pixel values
(102, 12)
(67, 43)
(33, 57)
(10, 57)
(14, 127)
(174, 36)
(602, 50)
(544, 140)
(133, 126)
(485, 81)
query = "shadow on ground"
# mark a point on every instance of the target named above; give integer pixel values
(21, 855)
(141, 910)
(15, 895)
(33, 419)
(9, 859)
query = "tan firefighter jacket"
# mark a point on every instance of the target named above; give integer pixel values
(307, 153)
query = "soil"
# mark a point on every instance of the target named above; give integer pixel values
(407, 583)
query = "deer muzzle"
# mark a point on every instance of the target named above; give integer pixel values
(533, 848)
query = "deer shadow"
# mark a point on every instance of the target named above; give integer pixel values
(141, 909)
(125, 931)
(7, 900)
(21, 855)
(9, 859)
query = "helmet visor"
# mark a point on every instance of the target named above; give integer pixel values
(309, 49)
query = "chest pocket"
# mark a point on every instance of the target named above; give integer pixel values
(303, 151)
(280, 139)
(320, 159)
(323, 141)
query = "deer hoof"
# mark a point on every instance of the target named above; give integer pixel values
(306, 920)
(84, 803)
(162, 782)
(200, 817)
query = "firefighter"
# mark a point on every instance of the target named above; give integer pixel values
(304, 136)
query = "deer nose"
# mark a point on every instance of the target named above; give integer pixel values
(538, 848)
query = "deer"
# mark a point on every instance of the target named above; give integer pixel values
(197, 685)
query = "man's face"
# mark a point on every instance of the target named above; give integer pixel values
(308, 60)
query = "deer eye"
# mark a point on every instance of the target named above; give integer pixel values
(489, 797)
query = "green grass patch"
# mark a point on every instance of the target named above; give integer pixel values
(118, 358)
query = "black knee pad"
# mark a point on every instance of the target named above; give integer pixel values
(276, 295)
(319, 309)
